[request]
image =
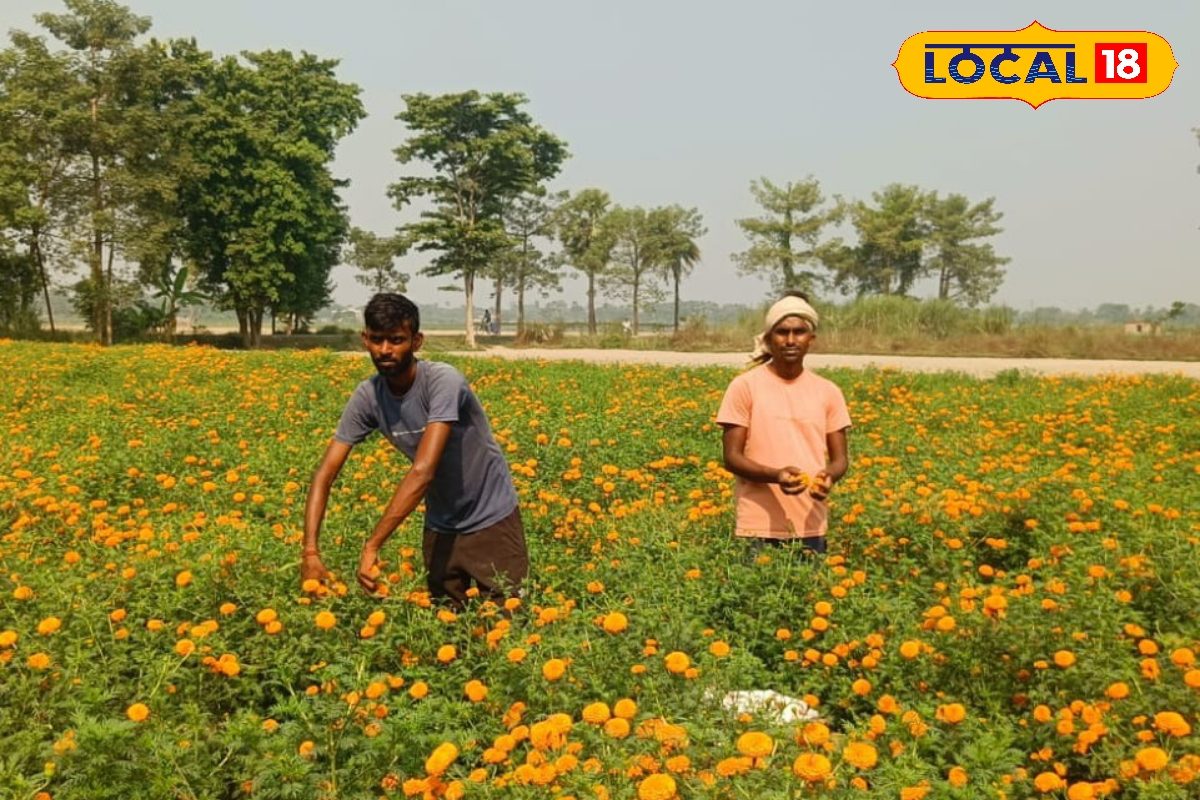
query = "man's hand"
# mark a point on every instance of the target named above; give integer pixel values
(821, 485)
(792, 480)
(311, 568)
(368, 568)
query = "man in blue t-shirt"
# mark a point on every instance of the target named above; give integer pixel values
(473, 532)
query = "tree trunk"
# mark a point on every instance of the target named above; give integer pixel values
(496, 312)
(944, 284)
(520, 305)
(676, 301)
(469, 293)
(108, 284)
(591, 294)
(36, 247)
(636, 283)
(255, 328)
(243, 318)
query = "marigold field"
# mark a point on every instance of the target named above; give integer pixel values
(1008, 609)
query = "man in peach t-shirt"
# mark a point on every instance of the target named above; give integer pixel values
(785, 433)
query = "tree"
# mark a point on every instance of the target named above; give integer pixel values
(483, 151)
(527, 217)
(587, 241)
(635, 254)
(786, 237)
(100, 35)
(676, 252)
(374, 256)
(171, 287)
(264, 220)
(891, 237)
(968, 271)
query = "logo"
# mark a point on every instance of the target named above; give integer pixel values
(1035, 65)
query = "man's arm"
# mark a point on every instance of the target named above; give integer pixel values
(733, 443)
(406, 498)
(327, 471)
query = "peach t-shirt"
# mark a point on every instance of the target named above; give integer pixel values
(786, 423)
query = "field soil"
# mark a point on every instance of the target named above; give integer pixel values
(977, 367)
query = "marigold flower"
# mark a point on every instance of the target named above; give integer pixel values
(138, 712)
(441, 758)
(418, 690)
(306, 748)
(38, 661)
(811, 767)
(596, 713)
(861, 755)
(183, 579)
(656, 787)
(617, 727)
(1171, 722)
(184, 648)
(1081, 790)
(625, 708)
(719, 648)
(910, 649)
(516, 655)
(49, 625)
(8, 638)
(447, 653)
(957, 777)
(755, 744)
(325, 620)
(476, 691)
(677, 662)
(1064, 658)
(813, 734)
(554, 669)
(1151, 759)
(951, 713)
(614, 622)
(266, 615)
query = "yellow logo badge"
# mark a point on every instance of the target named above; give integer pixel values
(1035, 65)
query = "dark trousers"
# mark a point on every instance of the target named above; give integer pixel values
(494, 560)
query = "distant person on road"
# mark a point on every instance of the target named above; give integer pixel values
(473, 535)
(784, 434)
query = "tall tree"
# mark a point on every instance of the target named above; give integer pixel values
(264, 219)
(891, 237)
(587, 240)
(787, 236)
(969, 271)
(527, 218)
(100, 36)
(36, 95)
(636, 253)
(676, 252)
(374, 257)
(483, 151)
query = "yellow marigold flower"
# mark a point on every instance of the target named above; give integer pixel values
(656, 787)
(447, 653)
(755, 744)
(625, 708)
(325, 620)
(441, 758)
(8, 638)
(811, 767)
(861, 755)
(596, 713)
(138, 712)
(22, 593)
(677, 662)
(38, 661)
(554, 669)
(719, 648)
(49, 625)
(1151, 759)
(615, 622)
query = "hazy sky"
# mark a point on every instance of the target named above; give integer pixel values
(686, 102)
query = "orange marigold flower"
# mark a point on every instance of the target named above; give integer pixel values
(811, 767)
(1064, 658)
(755, 744)
(617, 727)
(1046, 782)
(614, 622)
(325, 620)
(861, 755)
(957, 777)
(596, 713)
(719, 648)
(1151, 759)
(418, 690)
(447, 653)
(138, 712)
(554, 669)
(441, 758)
(625, 708)
(8, 638)
(1172, 723)
(38, 661)
(49, 625)
(656, 787)
(183, 578)
(677, 662)
(476, 691)
(910, 649)
(951, 713)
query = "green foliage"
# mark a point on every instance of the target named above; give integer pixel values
(787, 237)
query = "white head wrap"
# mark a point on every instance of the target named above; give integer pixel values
(787, 307)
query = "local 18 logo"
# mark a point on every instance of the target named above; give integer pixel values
(1035, 65)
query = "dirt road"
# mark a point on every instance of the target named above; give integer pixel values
(979, 367)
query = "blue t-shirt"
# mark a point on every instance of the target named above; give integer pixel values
(472, 488)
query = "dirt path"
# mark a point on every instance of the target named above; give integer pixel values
(979, 367)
